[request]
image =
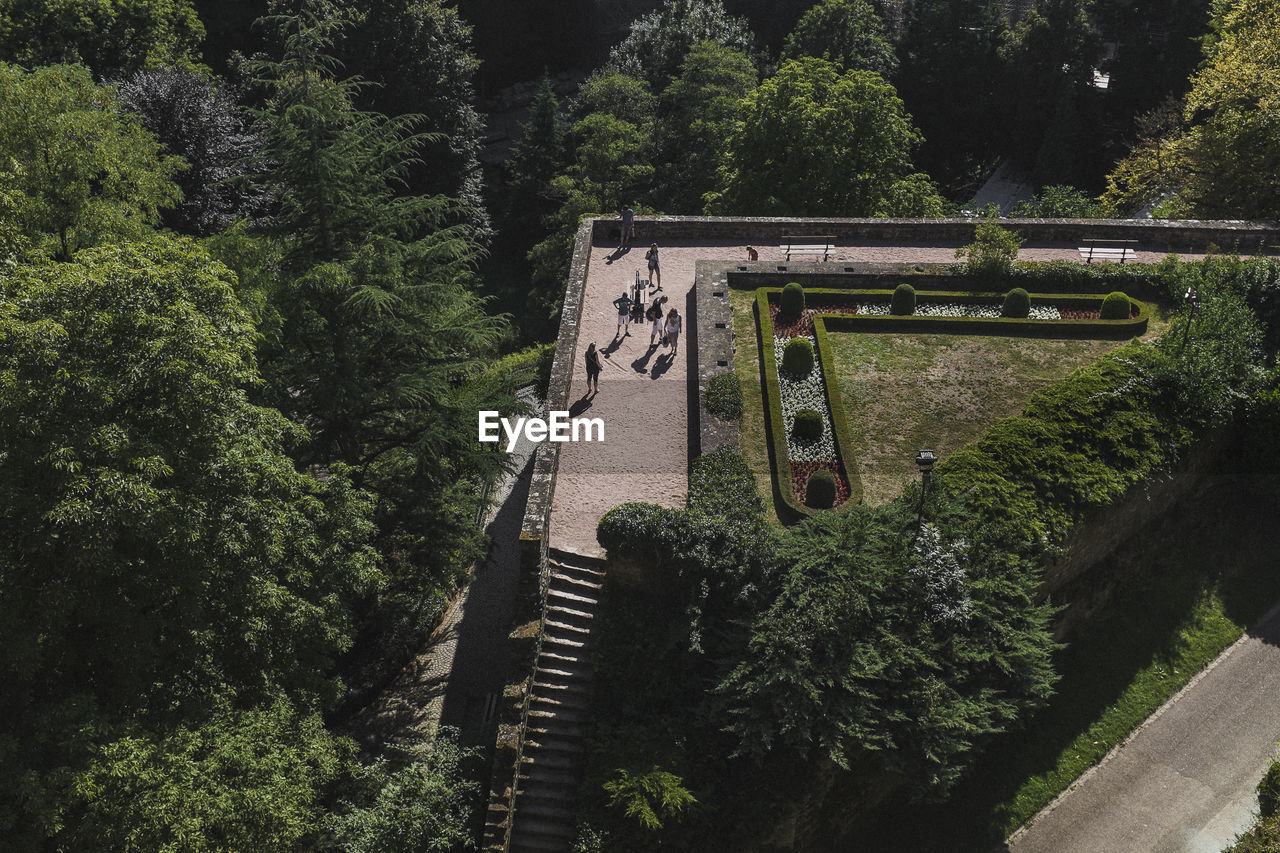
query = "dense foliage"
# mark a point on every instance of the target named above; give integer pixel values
(808, 425)
(1017, 303)
(1115, 306)
(724, 397)
(791, 300)
(847, 32)
(992, 252)
(820, 490)
(797, 356)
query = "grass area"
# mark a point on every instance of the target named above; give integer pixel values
(1180, 594)
(746, 364)
(905, 392)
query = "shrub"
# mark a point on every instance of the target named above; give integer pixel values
(992, 251)
(904, 300)
(808, 424)
(721, 484)
(1269, 791)
(797, 356)
(820, 491)
(1017, 303)
(1116, 306)
(792, 300)
(724, 397)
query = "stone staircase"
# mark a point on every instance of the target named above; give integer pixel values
(545, 815)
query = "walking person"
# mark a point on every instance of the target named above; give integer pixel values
(655, 314)
(628, 217)
(594, 366)
(623, 304)
(673, 331)
(655, 271)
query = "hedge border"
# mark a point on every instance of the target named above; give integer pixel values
(1009, 326)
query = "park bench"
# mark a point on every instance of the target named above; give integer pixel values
(822, 244)
(1108, 250)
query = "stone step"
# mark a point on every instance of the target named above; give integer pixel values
(575, 594)
(576, 586)
(544, 710)
(581, 643)
(553, 743)
(548, 778)
(580, 572)
(555, 555)
(566, 629)
(554, 685)
(573, 659)
(551, 727)
(521, 843)
(552, 761)
(563, 611)
(575, 702)
(567, 672)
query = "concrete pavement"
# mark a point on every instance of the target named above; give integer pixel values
(1184, 782)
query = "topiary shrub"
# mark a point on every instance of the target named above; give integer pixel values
(1017, 303)
(904, 300)
(724, 397)
(797, 356)
(1116, 306)
(820, 491)
(1269, 791)
(722, 484)
(792, 301)
(808, 424)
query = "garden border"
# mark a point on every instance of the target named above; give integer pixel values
(779, 455)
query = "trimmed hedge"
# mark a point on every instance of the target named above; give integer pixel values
(792, 300)
(807, 425)
(724, 397)
(820, 491)
(1116, 306)
(903, 301)
(1017, 304)
(797, 356)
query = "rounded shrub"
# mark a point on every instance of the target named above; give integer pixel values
(724, 397)
(797, 356)
(1116, 306)
(820, 491)
(808, 424)
(792, 301)
(1017, 303)
(904, 300)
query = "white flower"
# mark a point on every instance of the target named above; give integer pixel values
(807, 392)
(960, 309)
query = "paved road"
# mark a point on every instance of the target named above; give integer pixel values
(1185, 782)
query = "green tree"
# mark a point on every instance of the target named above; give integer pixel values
(112, 38)
(535, 158)
(1058, 202)
(158, 549)
(380, 326)
(696, 114)
(812, 141)
(85, 170)
(614, 93)
(992, 251)
(847, 32)
(658, 42)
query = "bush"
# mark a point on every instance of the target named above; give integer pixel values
(724, 397)
(797, 356)
(1116, 306)
(721, 484)
(820, 491)
(904, 300)
(992, 251)
(792, 300)
(1269, 791)
(808, 424)
(1017, 303)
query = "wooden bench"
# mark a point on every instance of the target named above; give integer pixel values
(1108, 250)
(822, 244)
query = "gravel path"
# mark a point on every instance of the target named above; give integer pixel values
(1185, 782)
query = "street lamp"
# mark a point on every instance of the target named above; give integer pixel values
(924, 461)
(1193, 299)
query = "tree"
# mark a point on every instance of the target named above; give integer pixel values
(418, 56)
(86, 171)
(112, 38)
(381, 331)
(812, 141)
(535, 158)
(992, 252)
(696, 115)
(847, 32)
(950, 79)
(623, 96)
(659, 41)
(1058, 202)
(196, 119)
(159, 552)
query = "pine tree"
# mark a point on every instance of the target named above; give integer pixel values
(535, 158)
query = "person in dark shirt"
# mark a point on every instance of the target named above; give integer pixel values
(593, 369)
(623, 304)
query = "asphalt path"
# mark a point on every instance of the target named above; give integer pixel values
(1185, 781)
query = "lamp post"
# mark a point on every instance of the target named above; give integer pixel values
(924, 460)
(1193, 299)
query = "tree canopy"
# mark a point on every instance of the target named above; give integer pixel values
(659, 41)
(849, 33)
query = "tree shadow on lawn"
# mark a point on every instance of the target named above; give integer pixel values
(1216, 539)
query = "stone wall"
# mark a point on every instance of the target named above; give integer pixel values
(1186, 236)
(714, 322)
